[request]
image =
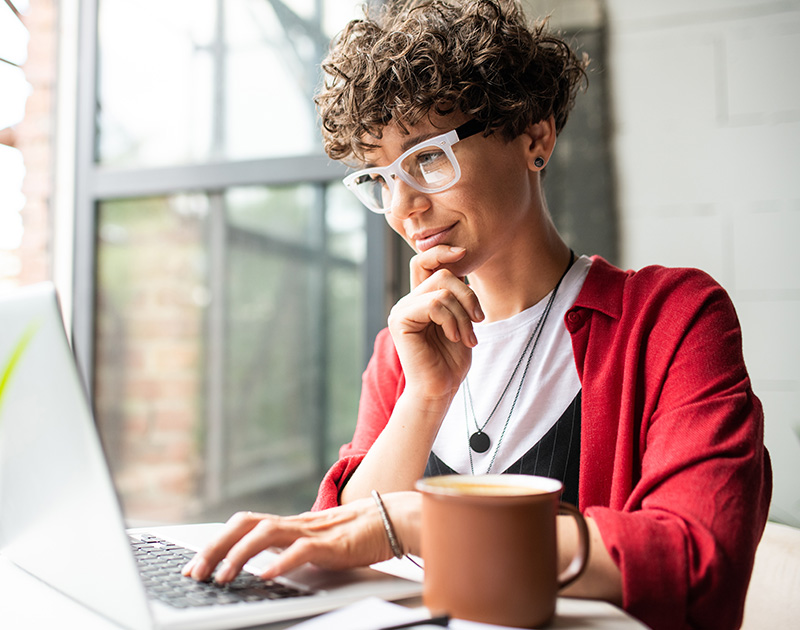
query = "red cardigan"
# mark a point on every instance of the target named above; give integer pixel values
(673, 468)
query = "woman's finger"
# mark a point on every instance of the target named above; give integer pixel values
(446, 311)
(271, 531)
(443, 280)
(203, 564)
(451, 305)
(296, 555)
(425, 264)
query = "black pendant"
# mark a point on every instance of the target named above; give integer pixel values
(479, 442)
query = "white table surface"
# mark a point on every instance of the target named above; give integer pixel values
(28, 604)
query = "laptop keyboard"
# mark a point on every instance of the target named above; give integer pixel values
(160, 563)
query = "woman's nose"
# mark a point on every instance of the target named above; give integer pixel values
(407, 201)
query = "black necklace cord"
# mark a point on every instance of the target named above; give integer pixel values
(480, 439)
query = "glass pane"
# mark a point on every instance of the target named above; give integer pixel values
(246, 278)
(149, 376)
(346, 356)
(346, 238)
(15, 94)
(271, 68)
(271, 378)
(216, 81)
(155, 101)
(285, 212)
(272, 375)
(13, 36)
(293, 326)
(346, 224)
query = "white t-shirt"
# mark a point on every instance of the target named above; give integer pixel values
(550, 385)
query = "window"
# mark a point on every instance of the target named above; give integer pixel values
(222, 262)
(15, 90)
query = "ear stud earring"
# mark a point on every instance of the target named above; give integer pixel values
(539, 162)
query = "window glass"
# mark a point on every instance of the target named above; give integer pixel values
(271, 70)
(12, 201)
(155, 81)
(13, 36)
(149, 352)
(345, 289)
(240, 299)
(15, 93)
(346, 218)
(284, 212)
(273, 394)
(216, 80)
(345, 351)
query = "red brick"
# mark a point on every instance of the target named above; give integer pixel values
(177, 356)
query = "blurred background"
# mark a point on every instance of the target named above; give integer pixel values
(160, 161)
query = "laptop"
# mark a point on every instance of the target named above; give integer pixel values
(61, 521)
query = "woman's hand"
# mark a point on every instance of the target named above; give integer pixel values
(432, 326)
(432, 332)
(343, 537)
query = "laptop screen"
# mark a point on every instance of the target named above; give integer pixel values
(59, 515)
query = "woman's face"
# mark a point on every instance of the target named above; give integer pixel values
(484, 212)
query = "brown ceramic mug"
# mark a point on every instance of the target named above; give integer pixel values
(489, 546)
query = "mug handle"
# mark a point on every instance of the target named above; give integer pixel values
(578, 564)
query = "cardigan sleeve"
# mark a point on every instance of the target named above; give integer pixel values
(691, 479)
(381, 386)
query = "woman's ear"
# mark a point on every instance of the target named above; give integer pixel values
(541, 140)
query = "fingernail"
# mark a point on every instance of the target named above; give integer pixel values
(457, 250)
(225, 574)
(478, 314)
(473, 338)
(201, 569)
(269, 574)
(187, 570)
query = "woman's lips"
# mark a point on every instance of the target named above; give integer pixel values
(431, 238)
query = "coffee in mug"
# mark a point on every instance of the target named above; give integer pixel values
(490, 549)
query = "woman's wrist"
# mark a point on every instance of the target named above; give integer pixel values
(404, 509)
(388, 527)
(421, 400)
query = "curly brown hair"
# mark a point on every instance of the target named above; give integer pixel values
(415, 57)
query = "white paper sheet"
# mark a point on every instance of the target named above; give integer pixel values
(374, 614)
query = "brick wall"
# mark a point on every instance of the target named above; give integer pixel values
(31, 261)
(149, 363)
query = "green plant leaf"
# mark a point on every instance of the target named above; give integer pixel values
(16, 354)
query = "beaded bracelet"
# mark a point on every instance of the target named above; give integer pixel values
(397, 550)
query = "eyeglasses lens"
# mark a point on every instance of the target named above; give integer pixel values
(430, 168)
(372, 189)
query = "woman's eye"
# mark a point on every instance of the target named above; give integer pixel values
(429, 160)
(369, 179)
(379, 179)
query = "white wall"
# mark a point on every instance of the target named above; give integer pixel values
(706, 107)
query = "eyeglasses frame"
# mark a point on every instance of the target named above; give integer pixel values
(443, 141)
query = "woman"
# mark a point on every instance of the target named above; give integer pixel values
(510, 354)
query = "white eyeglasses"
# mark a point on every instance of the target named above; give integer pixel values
(429, 167)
